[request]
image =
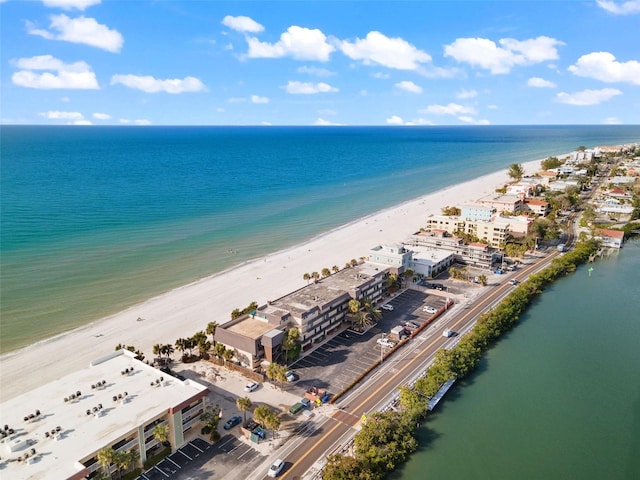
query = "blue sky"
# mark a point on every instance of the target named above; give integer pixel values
(118, 62)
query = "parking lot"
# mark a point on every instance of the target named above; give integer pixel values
(199, 459)
(342, 359)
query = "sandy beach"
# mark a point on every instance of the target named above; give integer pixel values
(183, 311)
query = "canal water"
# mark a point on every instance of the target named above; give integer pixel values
(558, 397)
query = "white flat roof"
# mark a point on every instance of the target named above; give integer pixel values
(80, 434)
(434, 255)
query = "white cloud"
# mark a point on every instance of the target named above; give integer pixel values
(80, 30)
(76, 75)
(309, 88)
(58, 115)
(258, 99)
(464, 94)
(140, 122)
(149, 84)
(70, 4)
(612, 121)
(318, 72)
(409, 86)
(604, 67)
(323, 123)
(378, 49)
(540, 83)
(449, 109)
(242, 24)
(625, 8)
(492, 107)
(236, 99)
(484, 53)
(264, 123)
(395, 120)
(298, 43)
(381, 75)
(588, 97)
(82, 122)
(101, 116)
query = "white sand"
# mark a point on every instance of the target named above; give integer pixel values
(188, 309)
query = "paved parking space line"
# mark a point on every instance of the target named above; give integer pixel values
(248, 451)
(185, 454)
(196, 447)
(161, 472)
(167, 458)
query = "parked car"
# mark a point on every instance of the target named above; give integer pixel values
(296, 407)
(411, 324)
(251, 386)
(276, 468)
(429, 309)
(291, 377)
(388, 307)
(385, 342)
(232, 422)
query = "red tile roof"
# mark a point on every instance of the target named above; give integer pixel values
(605, 232)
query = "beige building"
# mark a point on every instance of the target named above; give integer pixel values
(494, 232)
(539, 208)
(502, 203)
(316, 310)
(116, 402)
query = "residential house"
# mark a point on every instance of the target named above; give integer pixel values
(609, 238)
(539, 208)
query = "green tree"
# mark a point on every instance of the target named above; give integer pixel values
(161, 434)
(290, 342)
(261, 413)
(306, 277)
(219, 350)
(244, 404)
(451, 211)
(211, 418)
(335, 269)
(235, 313)
(326, 272)
(346, 467)
(105, 458)
(515, 171)
(273, 422)
(483, 280)
(228, 354)
(315, 276)
(353, 262)
(211, 330)
(549, 163)
(276, 372)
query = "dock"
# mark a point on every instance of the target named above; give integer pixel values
(440, 393)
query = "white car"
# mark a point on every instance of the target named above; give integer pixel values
(385, 342)
(251, 386)
(276, 468)
(291, 377)
(388, 307)
(429, 309)
(448, 333)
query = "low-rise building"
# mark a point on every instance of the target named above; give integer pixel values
(536, 207)
(478, 255)
(429, 261)
(477, 212)
(609, 238)
(502, 203)
(394, 256)
(116, 402)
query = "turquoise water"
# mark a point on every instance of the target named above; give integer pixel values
(97, 219)
(559, 397)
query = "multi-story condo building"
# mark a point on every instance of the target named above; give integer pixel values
(61, 426)
(494, 232)
(395, 256)
(502, 203)
(477, 254)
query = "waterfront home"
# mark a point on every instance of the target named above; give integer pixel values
(609, 238)
(536, 207)
(394, 256)
(116, 403)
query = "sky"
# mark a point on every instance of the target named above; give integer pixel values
(198, 62)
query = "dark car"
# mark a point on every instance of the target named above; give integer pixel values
(232, 422)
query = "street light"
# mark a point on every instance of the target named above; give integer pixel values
(382, 348)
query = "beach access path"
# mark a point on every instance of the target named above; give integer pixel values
(185, 310)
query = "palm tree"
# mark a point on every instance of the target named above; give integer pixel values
(161, 434)
(347, 265)
(261, 413)
(228, 355)
(293, 335)
(326, 272)
(273, 422)
(483, 280)
(168, 351)
(315, 276)
(203, 347)
(181, 345)
(354, 262)
(276, 372)
(335, 269)
(354, 306)
(105, 458)
(306, 277)
(515, 171)
(362, 259)
(361, 320)
(211, 330)
(157, 350)
(243, 404)
(219, 350)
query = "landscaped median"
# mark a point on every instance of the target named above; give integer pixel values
(387, 438)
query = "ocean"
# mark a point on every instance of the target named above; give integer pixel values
(558, 398)
(95, 219)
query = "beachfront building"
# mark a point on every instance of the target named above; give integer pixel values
(429, 262)
(316, 310)
(478, 255)
(477, 212)
(502, 203)
(61, 426)
(515, 226)
(584, 156)
(546, 176)
(394, 256)
(609, 238)
(494, 231)
(539, 208)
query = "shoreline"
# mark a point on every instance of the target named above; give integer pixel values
(186, 309)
